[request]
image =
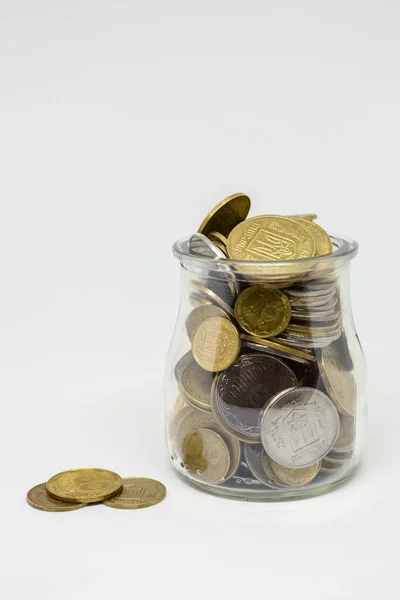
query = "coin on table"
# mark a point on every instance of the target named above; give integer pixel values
(253, 457)
(270, 237)
(339, 384)
(262, 312)
(323, 244)
(296, 477)
(84, 485)
(216, 344)
(195, 386)
(276, 348)
(346, 437)
(207, 456)
(241, 392)
(226, 215)
(138, 492)
(299, 427)
(200, 244)
(211, 296)
(39, 498)
(200, 314)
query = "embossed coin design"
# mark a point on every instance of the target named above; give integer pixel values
(207, 455)
(138, 492)
(195, 385)
(84, 485)
(270, 237)
(299, 427)
(339, 383)
(226, 215)
(241, 391)
(323, 244)
(39, 498)
(216, 344)
(262, 312)
(200, 314)
(296, 477)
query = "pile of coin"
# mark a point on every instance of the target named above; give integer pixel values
(267, 393)
(77, 488)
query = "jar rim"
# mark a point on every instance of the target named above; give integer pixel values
(345, 249)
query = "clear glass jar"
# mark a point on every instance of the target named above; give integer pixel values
(259, 417)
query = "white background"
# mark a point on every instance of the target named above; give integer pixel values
(121, 124)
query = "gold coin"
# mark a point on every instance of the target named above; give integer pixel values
(270, 237)
(177, 420)
(217, 237)
(323, 244)
(273, 345)
(222, 248)
(207, 456)
(195, 385)
(295, 477)
(226, 215)
(39, 498)
(179, 405)
(216, 344)
(334, 461)
(138, 492)
(328, 467)
(84, 485)
(262, 312)
(339, 384)
(307, 217)
(210, 296)
(346, 437)
(200, 314)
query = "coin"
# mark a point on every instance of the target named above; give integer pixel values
(200, 314)
(303, 342)
(304, 301)
(253, 454)
(39, 498)
(179, 405)
(211, 296)
(299, 427)
(216, 344)
(346, 437)
(262, 312)
(276, 348)
(339, 384)
(218, 238)
(197, 299)
(296, 477)
(181, 364)
(314, 331)
(84, 485)
(266, 465)
(207, 455)
(138, 492)
(195, 385)
(200, 244)
(202, 420)
(270, 237)
(242, 390)
(226, 215)
(308, 217)
(323, 244)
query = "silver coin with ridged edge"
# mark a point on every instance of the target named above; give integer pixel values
(299, 427)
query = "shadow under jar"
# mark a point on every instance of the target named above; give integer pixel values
(265, 376)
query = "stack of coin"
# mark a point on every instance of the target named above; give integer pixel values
(75, 489)
(266, 392)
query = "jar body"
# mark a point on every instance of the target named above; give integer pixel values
(265, 415)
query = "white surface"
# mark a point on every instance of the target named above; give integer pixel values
(121, 124)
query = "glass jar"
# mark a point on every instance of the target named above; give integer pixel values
(269, 415)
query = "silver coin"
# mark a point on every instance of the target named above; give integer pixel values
(299, 427)
(324, 316)
(241, 392)
(309, 292)
(312, 301)
(306, 342)
(200, 244)
(182, 364)
(253, 455)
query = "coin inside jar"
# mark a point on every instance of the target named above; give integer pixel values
(296, 477)
(262, 312)
(216, 344)
(240, 393)
(339, 383)
(195, 385)
(299, 427)
(200, 314)
(207, 456)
